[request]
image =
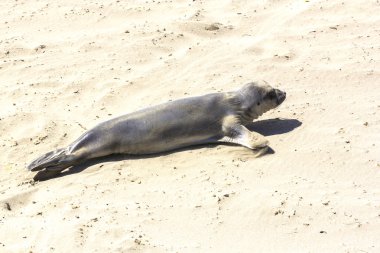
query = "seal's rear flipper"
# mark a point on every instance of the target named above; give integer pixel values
(54, 160)
(43, 175)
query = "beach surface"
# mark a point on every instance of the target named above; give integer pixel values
(66, 66)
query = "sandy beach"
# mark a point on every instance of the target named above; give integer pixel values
(66, 66)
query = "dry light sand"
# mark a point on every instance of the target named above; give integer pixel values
(67, 65)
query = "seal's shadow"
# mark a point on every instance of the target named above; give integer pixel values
(265, 127)
(274, 126)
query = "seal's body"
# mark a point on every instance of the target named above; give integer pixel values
(218, 117)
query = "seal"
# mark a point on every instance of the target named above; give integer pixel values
(212, 118)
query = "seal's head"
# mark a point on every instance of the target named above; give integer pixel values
(257, 98)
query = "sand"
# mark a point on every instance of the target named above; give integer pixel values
(67, 65)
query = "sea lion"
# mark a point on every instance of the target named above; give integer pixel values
(212, 118)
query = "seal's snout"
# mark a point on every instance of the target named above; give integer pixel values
(281, 95)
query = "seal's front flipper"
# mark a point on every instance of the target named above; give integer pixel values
(247, 140)
(239, 134)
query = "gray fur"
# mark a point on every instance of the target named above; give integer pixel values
(217, 117)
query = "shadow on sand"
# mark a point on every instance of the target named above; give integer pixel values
(264, 127)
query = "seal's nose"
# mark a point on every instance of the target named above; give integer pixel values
(281, 95)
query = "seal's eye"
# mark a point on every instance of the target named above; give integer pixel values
(271, 95)
(258, 103)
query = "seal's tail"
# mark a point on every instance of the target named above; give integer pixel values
(54, 160)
